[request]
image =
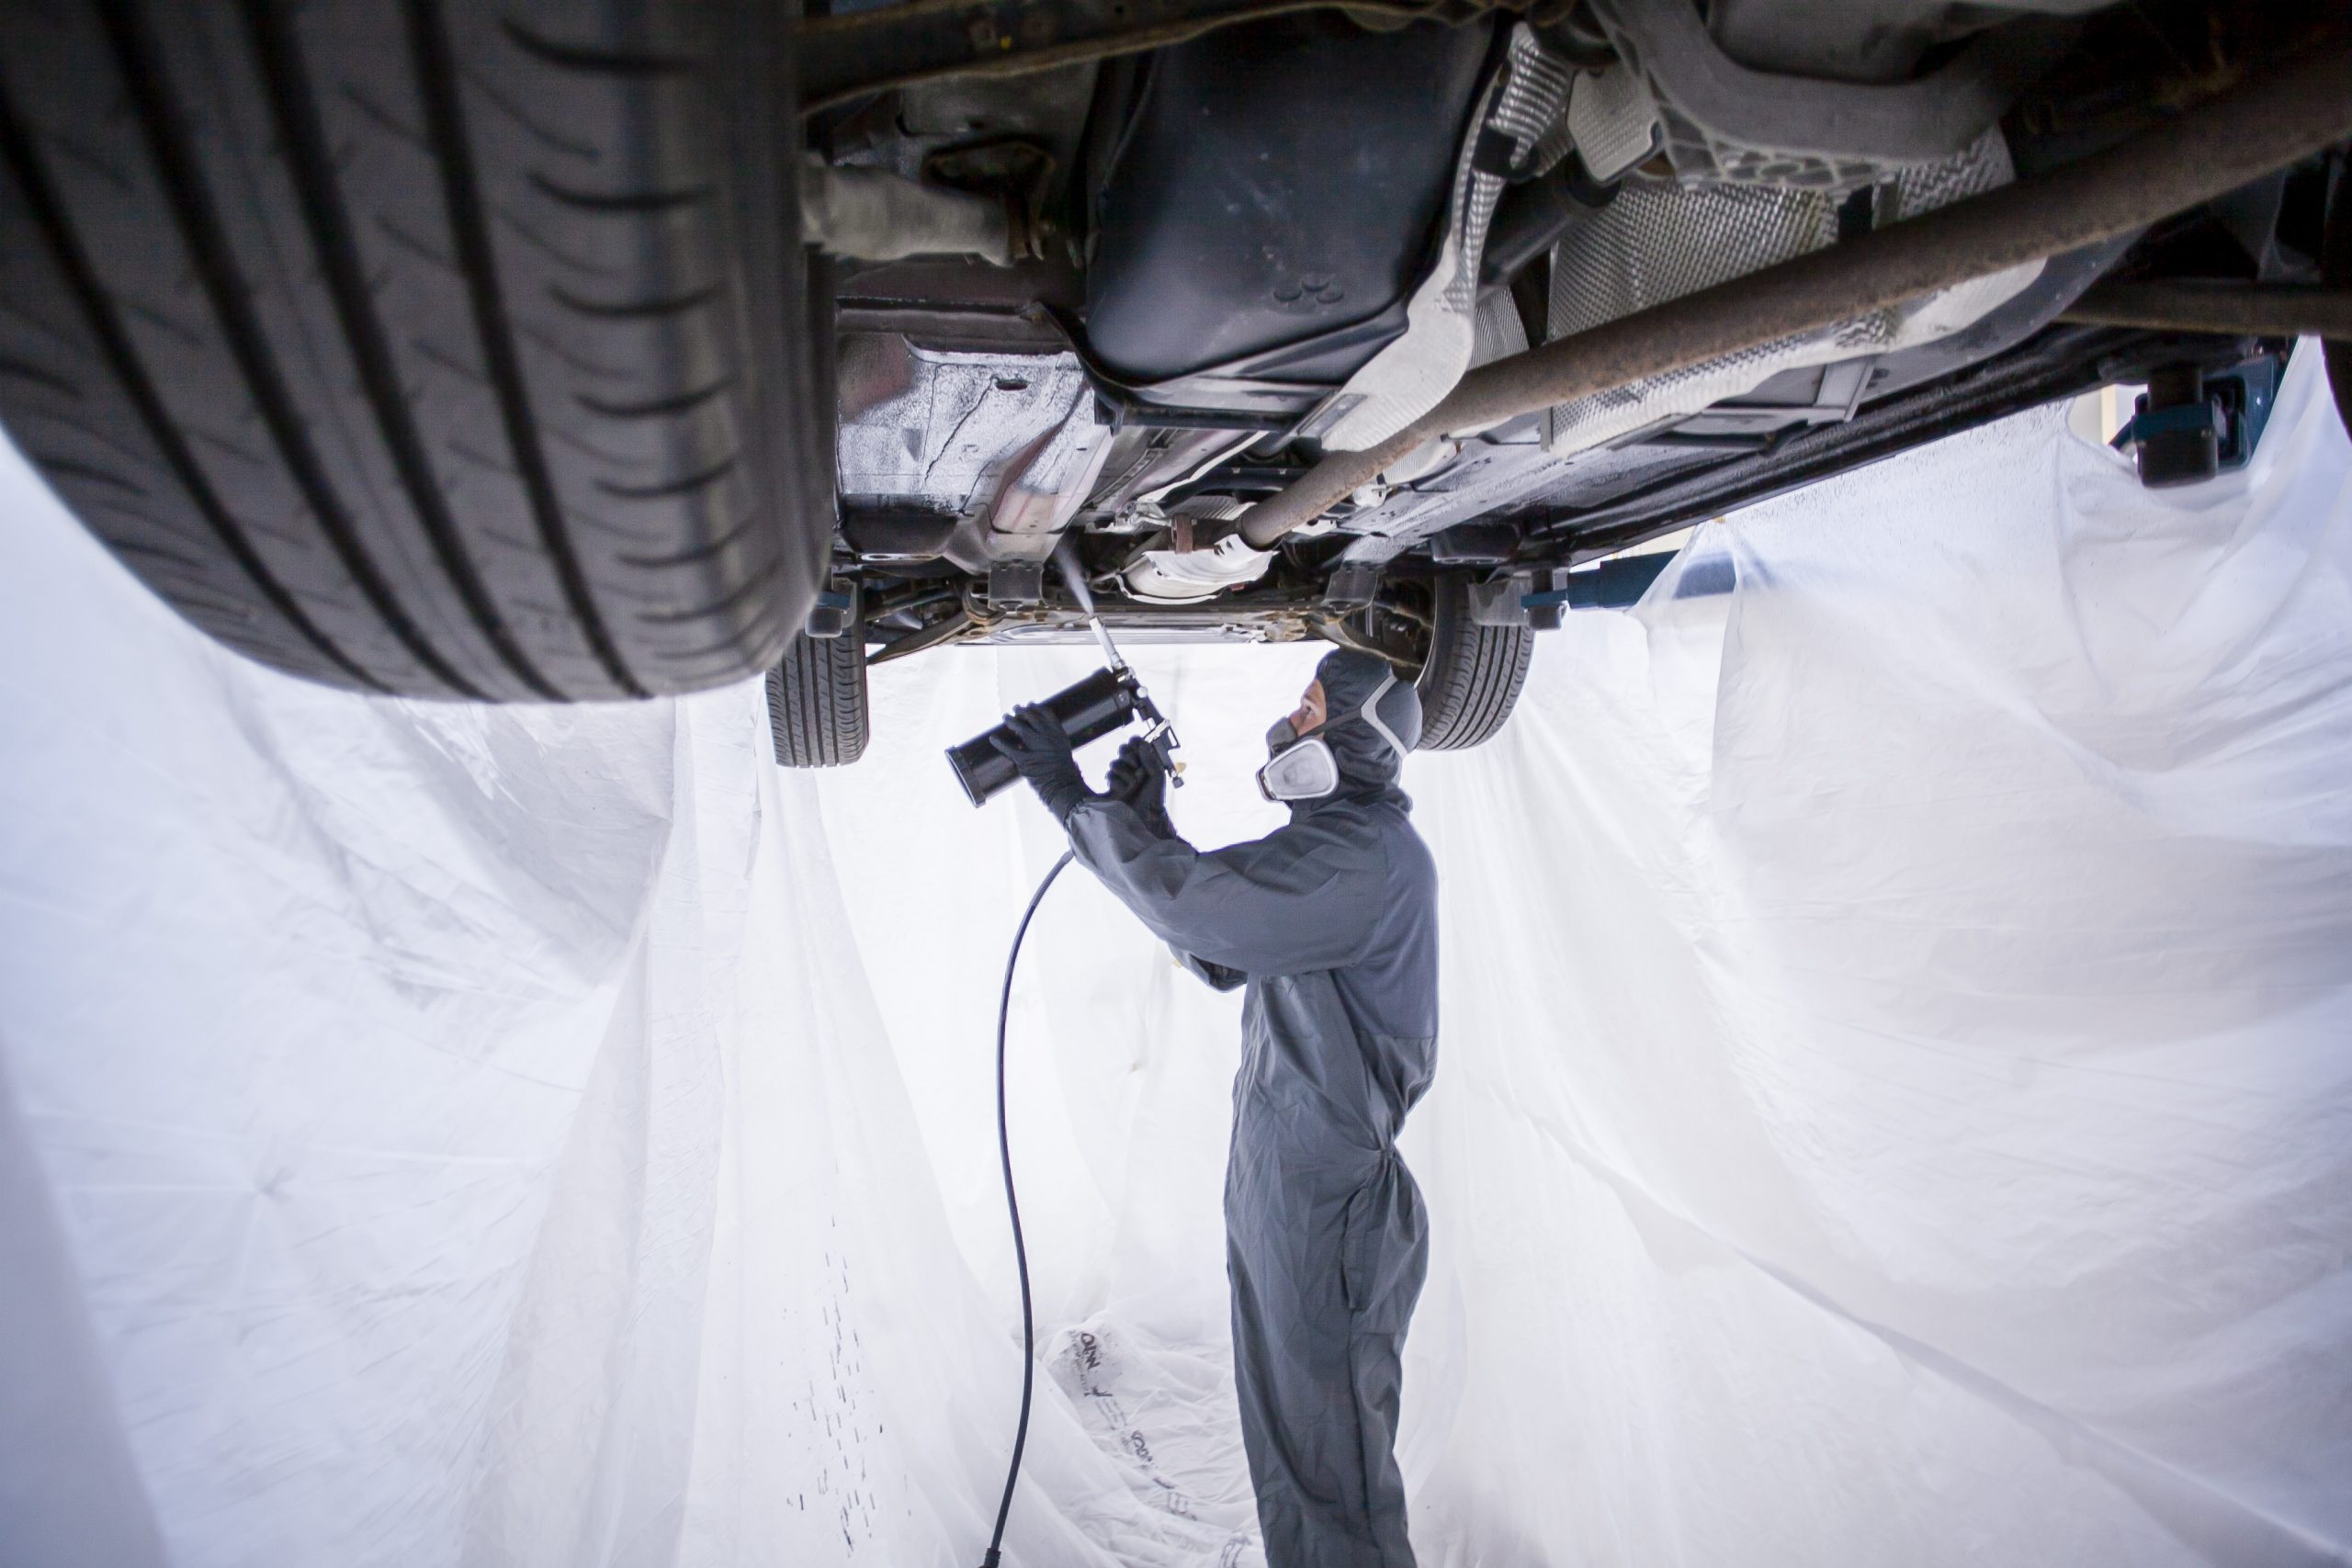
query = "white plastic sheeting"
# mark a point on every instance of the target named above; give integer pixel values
(1893, 1100)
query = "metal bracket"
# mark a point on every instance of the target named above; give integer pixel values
(1500, 603)
(1350, 586)
(1016, 584)
(835, 610)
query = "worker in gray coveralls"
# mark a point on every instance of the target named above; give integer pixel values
(1331, 921)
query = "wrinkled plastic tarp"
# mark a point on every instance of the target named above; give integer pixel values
(1893, 1101)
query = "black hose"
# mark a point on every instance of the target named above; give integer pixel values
(1012, 1207)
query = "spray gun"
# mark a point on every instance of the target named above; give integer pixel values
(1088, 710)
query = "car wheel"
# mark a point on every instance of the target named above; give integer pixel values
(431, 349)
(1473, 675)
(816, 709)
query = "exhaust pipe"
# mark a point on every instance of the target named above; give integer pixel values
(2265, 122)
(2251, 309)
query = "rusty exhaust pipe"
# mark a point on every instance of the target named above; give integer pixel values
(2251, 309)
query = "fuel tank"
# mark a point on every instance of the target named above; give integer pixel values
(1276, 192)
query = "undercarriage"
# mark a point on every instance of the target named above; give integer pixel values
(1214, 271)
(557, 352)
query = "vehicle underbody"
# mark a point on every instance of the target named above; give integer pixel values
(560, 352)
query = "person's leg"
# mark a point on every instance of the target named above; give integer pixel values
(1379, 1378)
(1294, 1377)
(1322, 1294)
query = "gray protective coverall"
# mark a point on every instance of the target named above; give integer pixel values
(1331, 922)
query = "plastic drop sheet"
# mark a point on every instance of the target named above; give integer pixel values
(1893, 1100)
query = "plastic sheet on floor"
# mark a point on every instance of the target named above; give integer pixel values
(1893, 1103)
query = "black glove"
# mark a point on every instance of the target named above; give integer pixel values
(1139, 778)
(1034, 744)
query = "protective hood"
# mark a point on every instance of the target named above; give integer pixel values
(1372, 718)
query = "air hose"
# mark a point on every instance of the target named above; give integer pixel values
(1013, 1208)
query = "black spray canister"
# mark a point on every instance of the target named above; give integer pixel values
(1087, 711)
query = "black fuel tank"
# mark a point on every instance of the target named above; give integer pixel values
(1278, 183)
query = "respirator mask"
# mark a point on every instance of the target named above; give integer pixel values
(1297, 769)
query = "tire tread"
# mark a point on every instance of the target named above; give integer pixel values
(1473, 676)
(422, 347)
(816, 702)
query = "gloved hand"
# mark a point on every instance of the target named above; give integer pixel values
(1036, 746)
(1138, 778)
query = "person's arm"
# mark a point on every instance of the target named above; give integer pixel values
(1138, 778)
(1301, 899)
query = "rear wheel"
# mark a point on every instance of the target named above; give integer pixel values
(427, 348)
(817, 709)
(1473, 675)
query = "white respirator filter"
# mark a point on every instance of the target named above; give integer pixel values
(1306, 771)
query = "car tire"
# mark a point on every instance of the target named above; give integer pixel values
(1473, 675)
(817, 706)
(427, 349)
